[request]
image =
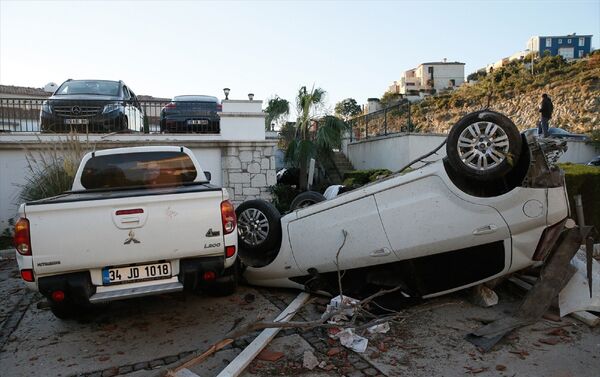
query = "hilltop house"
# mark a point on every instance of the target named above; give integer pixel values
(431, 77)
(571, 46)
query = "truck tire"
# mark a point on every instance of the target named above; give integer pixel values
(259, 232)
(225, 285)
(483, 146)
(306, 199)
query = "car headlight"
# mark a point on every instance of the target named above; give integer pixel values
(46, 107)
(111, 107)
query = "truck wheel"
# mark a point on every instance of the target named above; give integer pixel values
(484, 145)
(306, 199)
(258, 225)
(225, 285)
(63, 311)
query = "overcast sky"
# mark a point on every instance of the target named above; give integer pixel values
(349, 48)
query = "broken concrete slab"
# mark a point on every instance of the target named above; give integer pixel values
(483, 296)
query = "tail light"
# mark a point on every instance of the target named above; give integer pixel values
(22, 240)
(229, 251)
(58, 296)
(219, 107)
(228, 217)
(171, 105)
(209, 276)
(27, 275)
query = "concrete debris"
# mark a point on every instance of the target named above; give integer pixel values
(575, 296)
(483, 296)
(309, 360)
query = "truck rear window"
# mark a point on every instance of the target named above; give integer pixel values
(138, 169)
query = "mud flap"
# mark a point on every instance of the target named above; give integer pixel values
(537, 301)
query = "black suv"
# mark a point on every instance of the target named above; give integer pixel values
(92, 106)
(191, 114)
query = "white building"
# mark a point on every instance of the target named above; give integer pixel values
(432, 77)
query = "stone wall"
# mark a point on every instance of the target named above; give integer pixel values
(248, 172)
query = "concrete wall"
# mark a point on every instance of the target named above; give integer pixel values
(394, 151)
(242, 120)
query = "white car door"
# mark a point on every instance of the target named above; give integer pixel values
(129, 109)
(424, 217)
(315, 237)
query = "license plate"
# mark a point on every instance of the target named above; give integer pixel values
(76, 121)
(136, 273)
(198, 121)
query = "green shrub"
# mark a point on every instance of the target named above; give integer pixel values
(584, 180)
(361, 177)
(283, 196)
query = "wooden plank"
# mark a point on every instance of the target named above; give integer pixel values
(587, 318)
(237, 366)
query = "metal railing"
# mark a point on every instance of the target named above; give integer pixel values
(390, 120)
(101, 116)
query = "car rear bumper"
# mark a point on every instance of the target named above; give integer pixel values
(100, 123)
(182, 124)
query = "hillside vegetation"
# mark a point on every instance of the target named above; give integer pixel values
(574, 88)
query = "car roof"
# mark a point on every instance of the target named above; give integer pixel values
(199, 98)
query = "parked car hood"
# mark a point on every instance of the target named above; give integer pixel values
(83, 97)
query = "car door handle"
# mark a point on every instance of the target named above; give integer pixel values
(488, 229)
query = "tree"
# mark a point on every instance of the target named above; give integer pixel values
(315, 133)
(347, 109)
(277, 111)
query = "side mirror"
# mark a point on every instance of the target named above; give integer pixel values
(208, 175)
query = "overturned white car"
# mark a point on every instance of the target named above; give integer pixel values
(493, 206)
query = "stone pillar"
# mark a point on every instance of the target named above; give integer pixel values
(248, 172)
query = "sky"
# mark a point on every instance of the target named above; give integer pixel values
(349, 48)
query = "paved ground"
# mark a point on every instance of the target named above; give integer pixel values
(147, 336)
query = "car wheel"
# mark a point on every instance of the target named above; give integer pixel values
(225, 285)
(484, 145)
(125, 124)
(258, 225)
(306, 199)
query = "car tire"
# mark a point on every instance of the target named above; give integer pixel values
(306, 199)
(484, 146)
(259, 228)
(64, 311)
(124, 124)
(225, 285)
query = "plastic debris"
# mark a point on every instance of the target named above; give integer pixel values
(381, 328)
(350, 340)
(575, 296)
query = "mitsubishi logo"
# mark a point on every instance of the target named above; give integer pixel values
(75, 110)
(131, 238)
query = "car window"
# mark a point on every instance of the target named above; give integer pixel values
(93, 87)
(138, 169)
(126, 94)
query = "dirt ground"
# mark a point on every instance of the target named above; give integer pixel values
(147, 336)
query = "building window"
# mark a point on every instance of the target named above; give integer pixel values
(559, 41)
(569, 41)
(581, 53)
(581, 41)
(548, 42)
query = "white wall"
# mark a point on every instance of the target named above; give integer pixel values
(394, 151)
(242, 120)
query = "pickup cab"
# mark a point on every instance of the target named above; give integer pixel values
(138, 221)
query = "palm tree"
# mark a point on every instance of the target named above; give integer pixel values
(313, 137)
(277, 109)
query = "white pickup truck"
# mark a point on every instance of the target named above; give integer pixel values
(138, 221)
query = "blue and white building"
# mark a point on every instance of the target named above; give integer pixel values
(570, 46)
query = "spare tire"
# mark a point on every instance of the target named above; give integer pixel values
(259, 232)
(306, 199)
(484, 145)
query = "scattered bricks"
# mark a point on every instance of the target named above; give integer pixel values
(370, 372)
(140, 366)
(156, 363)
(110, 372)
(126, 369)
(170, 359)
(268, 355)
(333, 351)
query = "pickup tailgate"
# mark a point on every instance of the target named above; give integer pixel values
(124, 228)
